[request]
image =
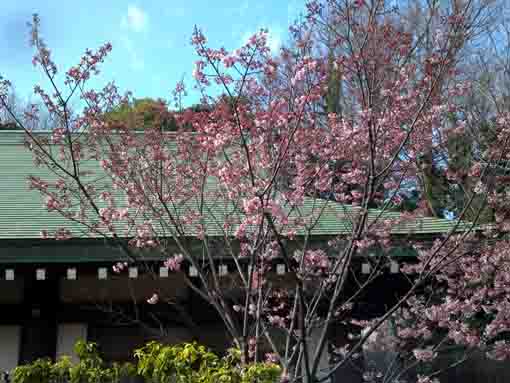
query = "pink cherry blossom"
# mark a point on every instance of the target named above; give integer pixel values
(174, 263)
(153, 299)
(273, 167)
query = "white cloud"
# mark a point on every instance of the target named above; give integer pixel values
(275, 38)
(135, 20)
(135, 60)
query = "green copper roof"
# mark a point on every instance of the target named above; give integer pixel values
(23, 215)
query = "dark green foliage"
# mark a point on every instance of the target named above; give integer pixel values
(155, 363)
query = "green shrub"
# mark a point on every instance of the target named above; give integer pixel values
(155, 363)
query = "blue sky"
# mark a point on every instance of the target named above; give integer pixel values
(151, 39)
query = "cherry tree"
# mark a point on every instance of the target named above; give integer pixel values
(248, 178)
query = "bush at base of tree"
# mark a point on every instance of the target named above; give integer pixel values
(155, 363)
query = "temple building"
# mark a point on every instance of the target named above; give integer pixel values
(56, 292)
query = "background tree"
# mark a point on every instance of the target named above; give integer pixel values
(439, 191)
(143, 113)
(24, 109)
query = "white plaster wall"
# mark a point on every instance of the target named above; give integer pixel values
(67, 336)
(10, 340)
(313, 344)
